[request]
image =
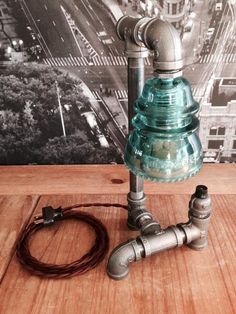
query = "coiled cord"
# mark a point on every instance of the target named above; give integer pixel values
(85, 263)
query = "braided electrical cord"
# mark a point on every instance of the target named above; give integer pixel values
(85, 263)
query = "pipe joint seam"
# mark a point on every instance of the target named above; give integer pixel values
(191, 232)
(133, 202)
(136, 249)
(180, 235)
(146, 246)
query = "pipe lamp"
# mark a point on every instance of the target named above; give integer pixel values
(163, 143)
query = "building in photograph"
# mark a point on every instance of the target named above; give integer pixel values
(218, 121)
(174, 11)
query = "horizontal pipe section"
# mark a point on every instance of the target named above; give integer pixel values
(143, 246)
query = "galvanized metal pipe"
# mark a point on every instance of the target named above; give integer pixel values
(194, 233)
(127, 29)
(139, 35)
(135, 86)
(158, 36)
(163, 39)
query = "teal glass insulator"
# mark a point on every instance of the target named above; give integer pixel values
(164, 145)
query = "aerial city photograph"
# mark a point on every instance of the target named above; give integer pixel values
(64, 96)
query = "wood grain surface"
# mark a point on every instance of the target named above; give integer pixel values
(106, 179)
(15, 212)
(175, 281)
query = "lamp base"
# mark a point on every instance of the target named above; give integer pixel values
(154, 239)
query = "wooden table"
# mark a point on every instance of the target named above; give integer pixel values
(175, 281)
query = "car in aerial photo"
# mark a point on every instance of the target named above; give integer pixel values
(210, 33)
(218, 6)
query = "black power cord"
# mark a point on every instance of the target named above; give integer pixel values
(85, 263)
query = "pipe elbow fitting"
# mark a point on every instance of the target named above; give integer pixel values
(164, 39)
(154, 34)
(121, 257)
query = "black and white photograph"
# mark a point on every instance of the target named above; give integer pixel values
(64, 95)
(117, 156)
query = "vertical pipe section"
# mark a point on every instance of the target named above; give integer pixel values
(135, 86)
